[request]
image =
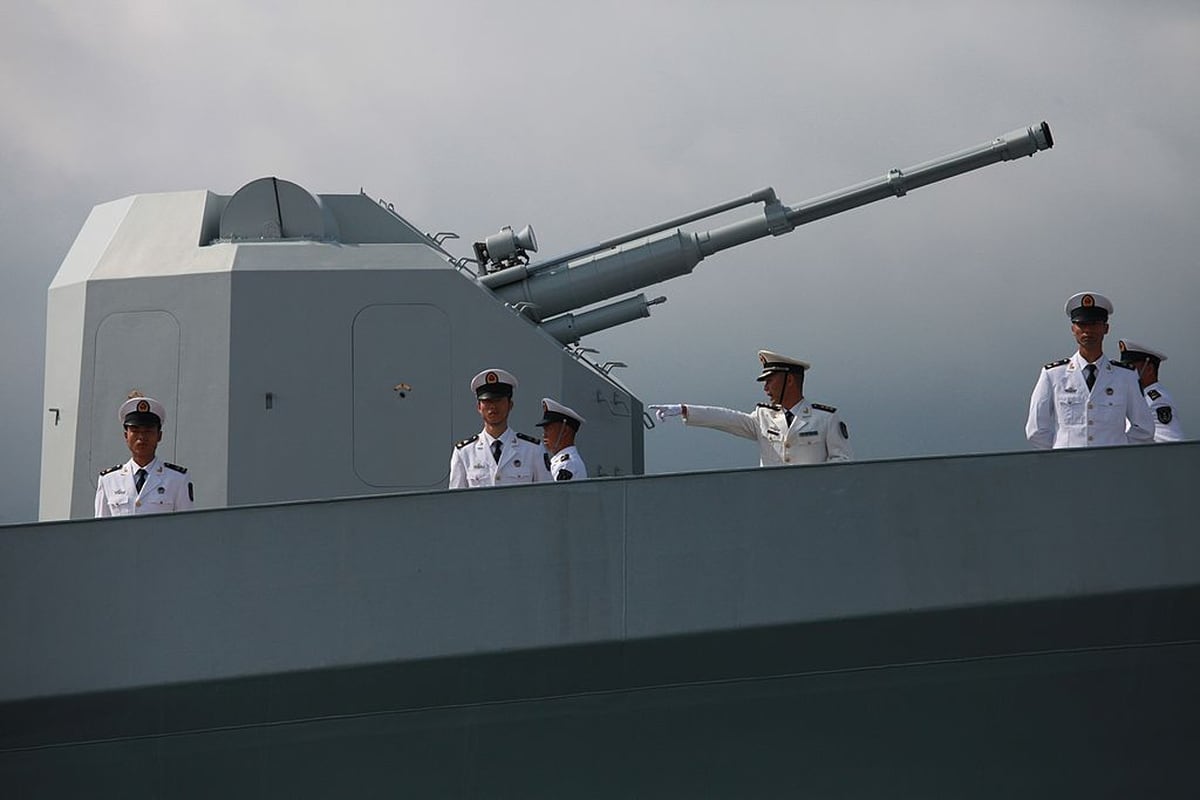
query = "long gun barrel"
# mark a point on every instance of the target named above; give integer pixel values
(651, 255)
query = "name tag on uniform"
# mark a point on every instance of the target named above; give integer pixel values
(1070, 389)
(808, 433)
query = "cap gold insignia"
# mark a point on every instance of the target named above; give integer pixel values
(491, 377)
(763, 359)
(1088, 301)
(143, 406)
(545, 408)
(1122, 346)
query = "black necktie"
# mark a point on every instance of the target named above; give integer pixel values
(1090, 369)
(789, 416)
(497, 446)
(139, 479)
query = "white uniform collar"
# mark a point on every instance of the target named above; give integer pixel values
(507, 437)
(1079, 362)
(155, 465)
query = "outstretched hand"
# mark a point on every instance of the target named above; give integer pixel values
(664, 411)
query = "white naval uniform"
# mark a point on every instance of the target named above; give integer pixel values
(167, 488)
(815, 435)
(1166, 416)
(522, 460)
(567, 465)
(1063, 413)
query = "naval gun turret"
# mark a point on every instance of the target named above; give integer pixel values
(312, 346)
(652, 255)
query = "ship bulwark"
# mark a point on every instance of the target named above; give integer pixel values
(978, 625)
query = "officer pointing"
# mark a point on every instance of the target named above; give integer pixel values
(1085, 400)
(496, 455)
(145, 484)
(789, 429)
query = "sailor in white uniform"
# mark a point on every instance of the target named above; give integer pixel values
(496, 455)
(559, 425)
(789, 429)
(1145, 362)
(1087, 400)
(145, 484)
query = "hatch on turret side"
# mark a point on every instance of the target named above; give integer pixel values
(402, 395)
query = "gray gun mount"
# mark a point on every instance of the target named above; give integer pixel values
(651, 255)
(320, 345)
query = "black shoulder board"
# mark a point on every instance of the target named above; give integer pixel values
(110, 469)
(822, 407)
(532, 439)
(1058, 363)
(771, 406)
(1121, 364)
(1153, 394)
(465, 442)
(176, 467)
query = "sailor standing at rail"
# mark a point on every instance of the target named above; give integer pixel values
(496, 455)
(559, 425)
(1145, 362)
(789, 430)
(1085, 400)
(145, 484)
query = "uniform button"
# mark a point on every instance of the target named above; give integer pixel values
(1089, 438)
(1091, 422)
(1090, 405)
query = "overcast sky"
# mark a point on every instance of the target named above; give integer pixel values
(926, 318)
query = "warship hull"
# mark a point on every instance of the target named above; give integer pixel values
(981, 626)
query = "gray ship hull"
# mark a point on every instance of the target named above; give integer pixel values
(953, 626)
